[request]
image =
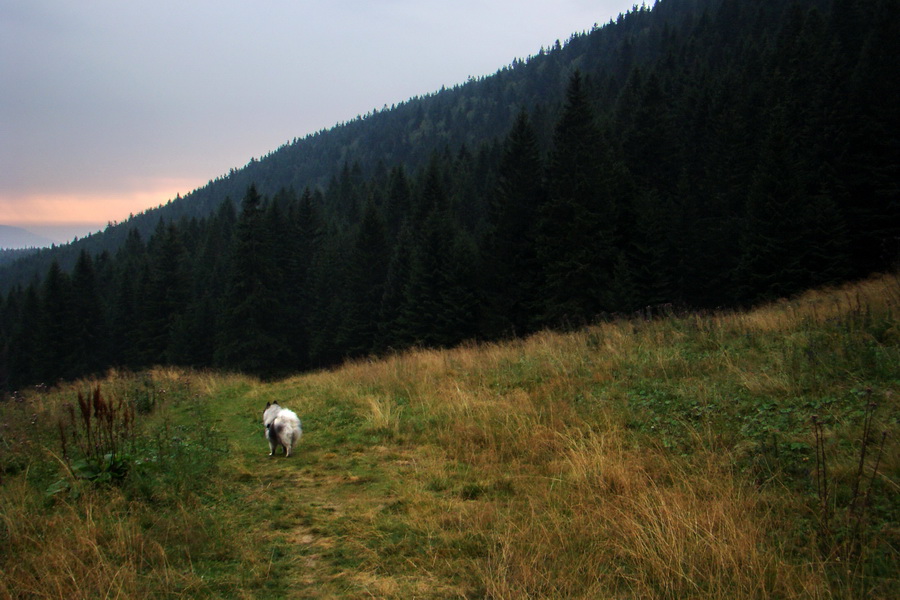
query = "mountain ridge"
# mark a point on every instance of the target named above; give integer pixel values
(18, 238)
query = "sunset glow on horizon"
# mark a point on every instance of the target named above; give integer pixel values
(83, 212)
(87, 206)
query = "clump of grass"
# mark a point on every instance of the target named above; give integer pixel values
(384, 414)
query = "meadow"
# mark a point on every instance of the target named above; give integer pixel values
(748, 454)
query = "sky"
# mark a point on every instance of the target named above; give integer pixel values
(109, 108)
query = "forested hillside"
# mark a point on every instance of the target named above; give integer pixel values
(704, 153)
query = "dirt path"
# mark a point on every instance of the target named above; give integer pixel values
(334, 519)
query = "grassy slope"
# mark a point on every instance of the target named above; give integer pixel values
(669, 458)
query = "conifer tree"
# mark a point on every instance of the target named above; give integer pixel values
(166, 295)
(647, 133)
(398, 202)
(57, 332)
(644, 272)
(431, 314)
(366, 273)
(90, 334)
(24, 355)
(249, 338)
(7, 309)
(212, 268)
(512, 279)
(577, 222)
(870, 168)
(460, 317)
(126, 305)
(392, 334)
(432, 196)
(776, 238)
(301, 246)
(328, 298)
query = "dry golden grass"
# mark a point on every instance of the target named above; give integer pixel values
(95, 547)
(596, 512)
(629, 533)
(878, 294)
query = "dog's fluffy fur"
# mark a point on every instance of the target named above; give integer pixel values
(282, 428)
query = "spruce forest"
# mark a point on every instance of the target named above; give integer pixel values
(694, 155)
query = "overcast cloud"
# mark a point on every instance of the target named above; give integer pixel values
(111, 107)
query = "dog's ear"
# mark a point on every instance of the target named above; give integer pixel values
(268, 405)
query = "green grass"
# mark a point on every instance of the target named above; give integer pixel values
(749, 455)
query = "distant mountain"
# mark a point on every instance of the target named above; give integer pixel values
(14, 238)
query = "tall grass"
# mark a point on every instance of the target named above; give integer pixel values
(666, 458)
(723, 455)
(99, 546)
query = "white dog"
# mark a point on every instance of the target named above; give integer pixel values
(282, 428)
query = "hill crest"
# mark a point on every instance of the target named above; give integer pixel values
(17, 238)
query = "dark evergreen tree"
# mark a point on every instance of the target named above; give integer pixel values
(211, 268)
(461, 299)
(398, 201)
(366, 274)
(576, 239)
(647, 131)
(779, 227)
(346, 192)
(425, 307)
(249, 338)
(165, 297)
(301, 247)
(432, 196)
(194, 341)
(328, 298)
(57, 330)
(392, 334)
(90, 337)
(127, 302)
(644, 273)
(512, 277)
(24, 358)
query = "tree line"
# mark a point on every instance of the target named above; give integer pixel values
(753, 157)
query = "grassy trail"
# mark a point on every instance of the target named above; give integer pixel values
(324, 520)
